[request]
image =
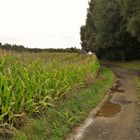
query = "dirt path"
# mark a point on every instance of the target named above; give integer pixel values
(118, 117)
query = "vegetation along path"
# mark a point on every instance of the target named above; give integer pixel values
(117, 117)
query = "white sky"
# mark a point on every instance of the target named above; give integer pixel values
(42, 23)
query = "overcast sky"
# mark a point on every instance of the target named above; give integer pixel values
(42, 23)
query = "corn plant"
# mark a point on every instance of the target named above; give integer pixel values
(30, 82)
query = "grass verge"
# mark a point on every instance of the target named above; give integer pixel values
(58, 121)
(137, 80)
(132, 64)
(128, 64)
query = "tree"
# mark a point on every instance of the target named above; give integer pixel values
(88, 30)
(112, 24)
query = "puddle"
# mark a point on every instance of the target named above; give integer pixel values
(109, 109)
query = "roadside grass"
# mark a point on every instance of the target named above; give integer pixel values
(131, 64)
(124, 64)
(137, 80)
(67, 113)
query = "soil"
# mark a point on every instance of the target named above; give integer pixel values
(118, 116)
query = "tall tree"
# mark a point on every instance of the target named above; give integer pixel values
(111, 24)
(88, 31)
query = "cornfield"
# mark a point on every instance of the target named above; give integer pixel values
(30, 82)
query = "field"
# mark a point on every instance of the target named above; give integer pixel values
(44, 95)
(32, 82)
(58, 121)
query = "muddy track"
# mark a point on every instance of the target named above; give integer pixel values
(117, 118)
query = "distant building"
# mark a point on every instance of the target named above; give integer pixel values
(89, 53)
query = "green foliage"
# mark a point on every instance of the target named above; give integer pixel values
(137, 80)
(130, 10)
(32, 82)
(21, 48)
(68, 112)
(130, 65)
(112, 24)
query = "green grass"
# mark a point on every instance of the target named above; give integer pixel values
(68, 112)
(123, 64)
(137, 80)
(132, 64)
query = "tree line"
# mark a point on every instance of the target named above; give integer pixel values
(112, 29)
(21, 48)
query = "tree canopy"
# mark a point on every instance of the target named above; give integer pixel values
(112, 29)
